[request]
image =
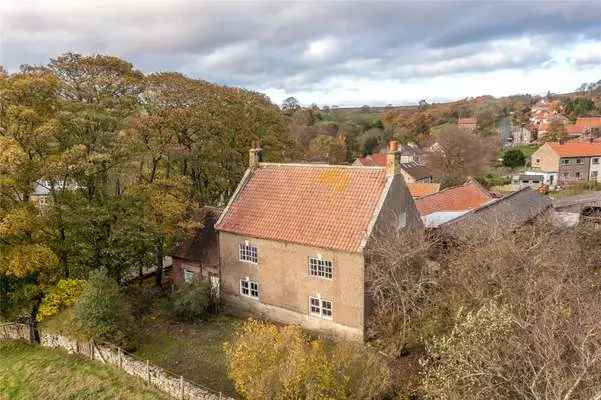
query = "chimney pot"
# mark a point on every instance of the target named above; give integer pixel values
(393, 159)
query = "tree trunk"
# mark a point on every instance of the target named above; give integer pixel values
(159, 261)
(34, 334)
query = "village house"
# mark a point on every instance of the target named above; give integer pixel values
(571, 162)
(497, 216)
(584, 126)
(451, 203)
(293, 239)
(42, 191)
(411, 159)
(421, 189)
(469, 124)
(197, 257)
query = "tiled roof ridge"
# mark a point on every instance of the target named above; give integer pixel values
(487, 205)
(319, 165)
(469, 181)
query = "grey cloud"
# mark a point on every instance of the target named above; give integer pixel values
(263, 44)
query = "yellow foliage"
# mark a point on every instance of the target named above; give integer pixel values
(270, 362)
(18, 221)
(12, 155)
(64, 294)
(25, 259)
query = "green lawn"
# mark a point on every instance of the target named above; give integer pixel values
(526, 149)
(193, 350)
(33, 372)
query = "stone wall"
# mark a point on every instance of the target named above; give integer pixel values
(175, 386)
(14, 331)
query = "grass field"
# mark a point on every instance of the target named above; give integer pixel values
(31, 372)
(193, 350)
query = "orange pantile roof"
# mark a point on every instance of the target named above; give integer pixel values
(588, 122)
(460, 198)
(316, 205)
(576, 149)
(373, 160)
(421, 189)
(575, 129)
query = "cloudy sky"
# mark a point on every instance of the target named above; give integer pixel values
(326, 52)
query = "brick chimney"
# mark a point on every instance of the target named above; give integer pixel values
(393, 159)
(254, 155)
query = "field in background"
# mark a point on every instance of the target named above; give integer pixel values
(31, 372)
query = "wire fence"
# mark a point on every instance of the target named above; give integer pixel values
(167, 381)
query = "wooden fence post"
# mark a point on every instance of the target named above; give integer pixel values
(120, 357)
(181, 387)
(148, 371)
(92, 350)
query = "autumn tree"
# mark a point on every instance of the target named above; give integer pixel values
(270, 362)
(460, 154)
(527, 317)
(290, 105)
(27, 140)
(556, 132)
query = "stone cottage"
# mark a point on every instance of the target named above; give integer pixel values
(293, 238)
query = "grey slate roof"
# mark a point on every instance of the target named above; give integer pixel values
(417, 171)
(501, 215)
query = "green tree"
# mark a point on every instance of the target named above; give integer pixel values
(102, 313)
(514, 158)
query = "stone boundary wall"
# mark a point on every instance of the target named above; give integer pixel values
(173, 385)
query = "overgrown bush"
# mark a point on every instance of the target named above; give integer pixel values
(103, 314)
(514, 158)
(271, 362)
(192, 301)
(66, 293)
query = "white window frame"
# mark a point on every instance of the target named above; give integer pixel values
(248, 252)
(579, 161)
(318, 267)
(188, 275)
(596, 160)
(566, 161)
(249, 288)
(402, 220)
(321, 308)
(578, 175)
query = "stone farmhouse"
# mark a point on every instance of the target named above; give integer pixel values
(570, 162)
(293, 239)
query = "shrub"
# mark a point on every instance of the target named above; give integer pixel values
(64, 294)
(514, 158)
(266, 361)
(192, 301)
(102, 312)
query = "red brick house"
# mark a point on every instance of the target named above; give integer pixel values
(197, 258)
